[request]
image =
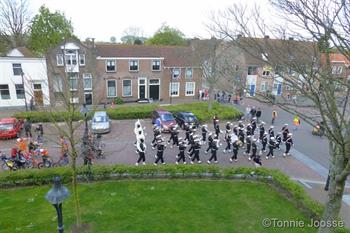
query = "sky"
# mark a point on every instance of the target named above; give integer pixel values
(102, 19)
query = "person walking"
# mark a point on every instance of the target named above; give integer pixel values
(247, 113)
(28, 127)
(264, 142)
(204, 133)
(141, 148)
(214, 148)
(196, 148)
(254, 150)
(181, 155)
(235, 148)
(160, 150)
(272, 145)
(289, 144)
(296, 122)
(258, 115)
(210, 143)
(261, 130)
(274, 116)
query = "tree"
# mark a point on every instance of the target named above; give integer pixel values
(167, 36)
(304, 65)
(14, 21)
(133, 35)
(49, 29)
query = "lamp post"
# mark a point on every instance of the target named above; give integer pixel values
(56, 195)
(25, 98)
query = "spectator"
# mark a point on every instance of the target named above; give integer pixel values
(252, 112)
(229, 98)
(247, 112)
(28, 127)
(31, 104)
(274, 116)
(294, 99)
(296, 122)
(258, 115)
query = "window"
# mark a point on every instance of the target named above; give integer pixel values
(73, 82)
(190, 88)
(266, 73)
(156, 65)
(17, 68)
(127, 88)
(111, 65)
(188, 73)
(87, 81)
(111, 88)
(176, 72)
(19, 91)
(334, 70)
(339, 70)
(265, 56)
(59, 59)
(57, 82)
(133, 65)
(289, 87)
(252, 70)
(174, 89)
(4, 92)
(263, 86)
(82, 59)
(71, 57)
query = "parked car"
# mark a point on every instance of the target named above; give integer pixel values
(100, 123)
(185, 117)
(10, 128)
(166, 119)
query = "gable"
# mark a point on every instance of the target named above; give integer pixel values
(69, 46)
(14, 53)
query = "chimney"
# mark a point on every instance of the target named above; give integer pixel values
(93, 42)
(290, 38)
(266, 37)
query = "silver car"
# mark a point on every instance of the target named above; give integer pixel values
(100, 123)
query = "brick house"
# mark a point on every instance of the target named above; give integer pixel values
(71, 69)
(340, 68)
(137, 72)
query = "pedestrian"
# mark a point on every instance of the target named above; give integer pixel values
(264, 142)
(217, 131)
(294, 99)
(274, 116)
(181, 155)
(235, 148)
(210, 142)
(272, 146)
(253, 123)
(141, 149)
(296, 122)
(196, 148)
(271, 132)
(278, 140)
(31, 104)
(285, 132)
(28, 127)
(215, 120)
(254, 150)
(40, 130)
(249, 145)
(229, 98)
(261, 130)
(289, 144)
(174, 136)
(204, 133)
(214, 149)
(252, 112)
(156, 132)
(258, 115)
(160, 150)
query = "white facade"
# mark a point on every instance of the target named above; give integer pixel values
(35, 80)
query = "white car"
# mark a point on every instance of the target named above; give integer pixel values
(100, 123)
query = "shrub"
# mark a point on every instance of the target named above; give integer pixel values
(118, 100)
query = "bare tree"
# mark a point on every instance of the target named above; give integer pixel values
(14, 21)
(303, 63)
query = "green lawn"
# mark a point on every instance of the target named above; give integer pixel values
(153, 206)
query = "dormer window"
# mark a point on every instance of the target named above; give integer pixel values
(133, 65)
(188, 73)
(111, 66)
(156, 65)
(176, 72)
(71, 57)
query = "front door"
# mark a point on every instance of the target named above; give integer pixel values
(279, 89)
(38, 94)
(154, 89)
(252, 90)
(88, 98)
(142, 92)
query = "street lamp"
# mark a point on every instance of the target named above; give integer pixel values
(25, 98)
(56, 195)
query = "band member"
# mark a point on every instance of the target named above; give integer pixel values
(215, 120)
(261, 130)
(235, 130)
(228, 138)
(141, 149)
(174, 135)
(181, 155)
(257, 161)
(235, 148)
(204, 133)
(278, 140)
(253, 123)
(254, 149)
(272, 146)
(285, 132)
(249, 130)
(240, 124)
(289, 144)
(156, 133)
(210, 141)
(271, 132)
(160, 150)
(214, 149)
(264, 142)
(196, 148)
(217, 131)
(249, 145)
(241, 134)
(187, 129)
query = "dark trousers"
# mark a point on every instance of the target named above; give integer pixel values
(270, 152)
(204, 137)
(159, 157)
(213, 156)
(196, 155)
(228, 147)
(209, 147)
(278, 145)
(287, 148)
(248, 149)
(235, 152)
(28, 133)
(253, 153)
(141, 157)
(181, 156)
(264, 146)
(187, 135)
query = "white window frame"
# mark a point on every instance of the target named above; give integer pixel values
(116, 89)
(254, 73)
(76, 77)
(82, 55)
(115, 65)
(87, 76)
(71, 55)
(123, 88)
(57, 83)
(18, 96)
(186, 88)
(186, 76)
(339, 69)
(263, 84)
(17, 66)
(138, 65)
(178, 89)
(7, 89)
(160, 65)
(59, 59)
(334, 69)
(172, 73)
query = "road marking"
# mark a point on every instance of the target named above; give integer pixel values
(301, 180)
(305, 184)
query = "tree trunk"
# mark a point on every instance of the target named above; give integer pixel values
(210, 94)
(75, 189)
(335, 193)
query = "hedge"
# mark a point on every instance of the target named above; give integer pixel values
(141, 111)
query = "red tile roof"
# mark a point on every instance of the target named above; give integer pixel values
(174, 56)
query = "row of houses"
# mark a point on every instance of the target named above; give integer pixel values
(98, 73)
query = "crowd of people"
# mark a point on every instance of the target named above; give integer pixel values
(249, 135)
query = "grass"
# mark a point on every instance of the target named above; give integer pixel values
(150, 206)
